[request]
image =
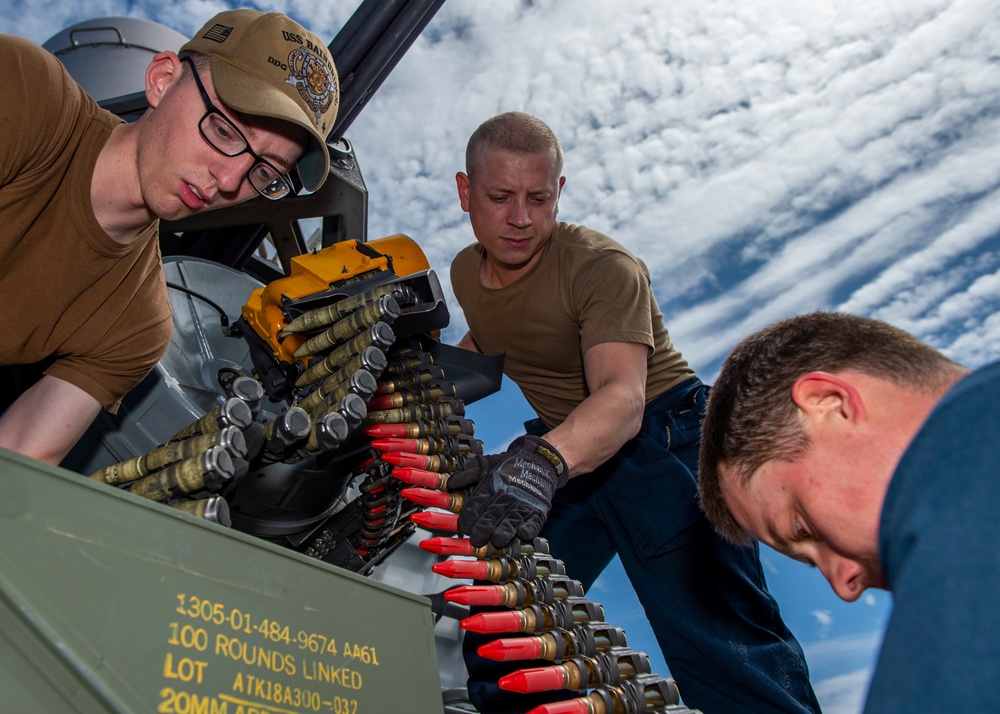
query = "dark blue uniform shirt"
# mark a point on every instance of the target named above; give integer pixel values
(939, 542)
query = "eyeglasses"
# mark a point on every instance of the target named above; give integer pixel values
(224, 136)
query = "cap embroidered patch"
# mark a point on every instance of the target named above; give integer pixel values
(315, 83)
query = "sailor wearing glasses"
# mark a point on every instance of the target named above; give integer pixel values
(244, 104)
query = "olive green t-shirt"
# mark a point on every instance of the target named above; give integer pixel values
(585, 290)
(69, 292)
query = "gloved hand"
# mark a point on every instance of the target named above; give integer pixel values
(511, 492)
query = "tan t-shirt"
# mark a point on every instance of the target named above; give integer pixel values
(585, 290)
(68, 290)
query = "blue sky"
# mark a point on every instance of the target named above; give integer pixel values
(764, 158)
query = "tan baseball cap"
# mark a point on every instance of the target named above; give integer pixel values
(266, 64)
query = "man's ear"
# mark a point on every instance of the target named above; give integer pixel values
(163, 71)
(822, 394)
(462, 183)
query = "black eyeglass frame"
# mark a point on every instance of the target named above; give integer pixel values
(274, 189)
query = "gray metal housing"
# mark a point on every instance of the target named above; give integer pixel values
(108, 55)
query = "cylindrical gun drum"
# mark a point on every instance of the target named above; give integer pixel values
(230, 438)
(322, 316)
(214, 509)
(328, 432)
(232, 412)
(248, 389)
(286, 431)
(385, 309)
(378, 335)
(206, 472)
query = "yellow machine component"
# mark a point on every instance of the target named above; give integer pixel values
(313, 273)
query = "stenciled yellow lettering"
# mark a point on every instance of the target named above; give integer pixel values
(186, 669)
(350, 679)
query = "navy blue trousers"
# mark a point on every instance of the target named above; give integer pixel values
(706, 600)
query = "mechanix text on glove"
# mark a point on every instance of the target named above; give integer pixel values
(514, 492)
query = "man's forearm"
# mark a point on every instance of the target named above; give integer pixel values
(597, 428)
(611, 414)
(47, 420)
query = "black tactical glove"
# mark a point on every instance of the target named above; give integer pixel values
(511, 492)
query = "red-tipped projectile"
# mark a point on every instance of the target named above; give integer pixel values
(446, 546)
(539, 679)
(407, 446)
(569, 706)
(436, 521)
(380, 401)
(385, 430)
(435, 499)
(416, 461)
(419, 477)
(476, 594)
(512, 648)
(473, 569)
(492, 622)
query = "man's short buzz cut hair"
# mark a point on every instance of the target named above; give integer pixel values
(751, 418)
(512, 131)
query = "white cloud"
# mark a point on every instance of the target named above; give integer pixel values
(760, 162)
(769, 563)
(829, 657)
(823, 617)
(844, 694)
(841, 668)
